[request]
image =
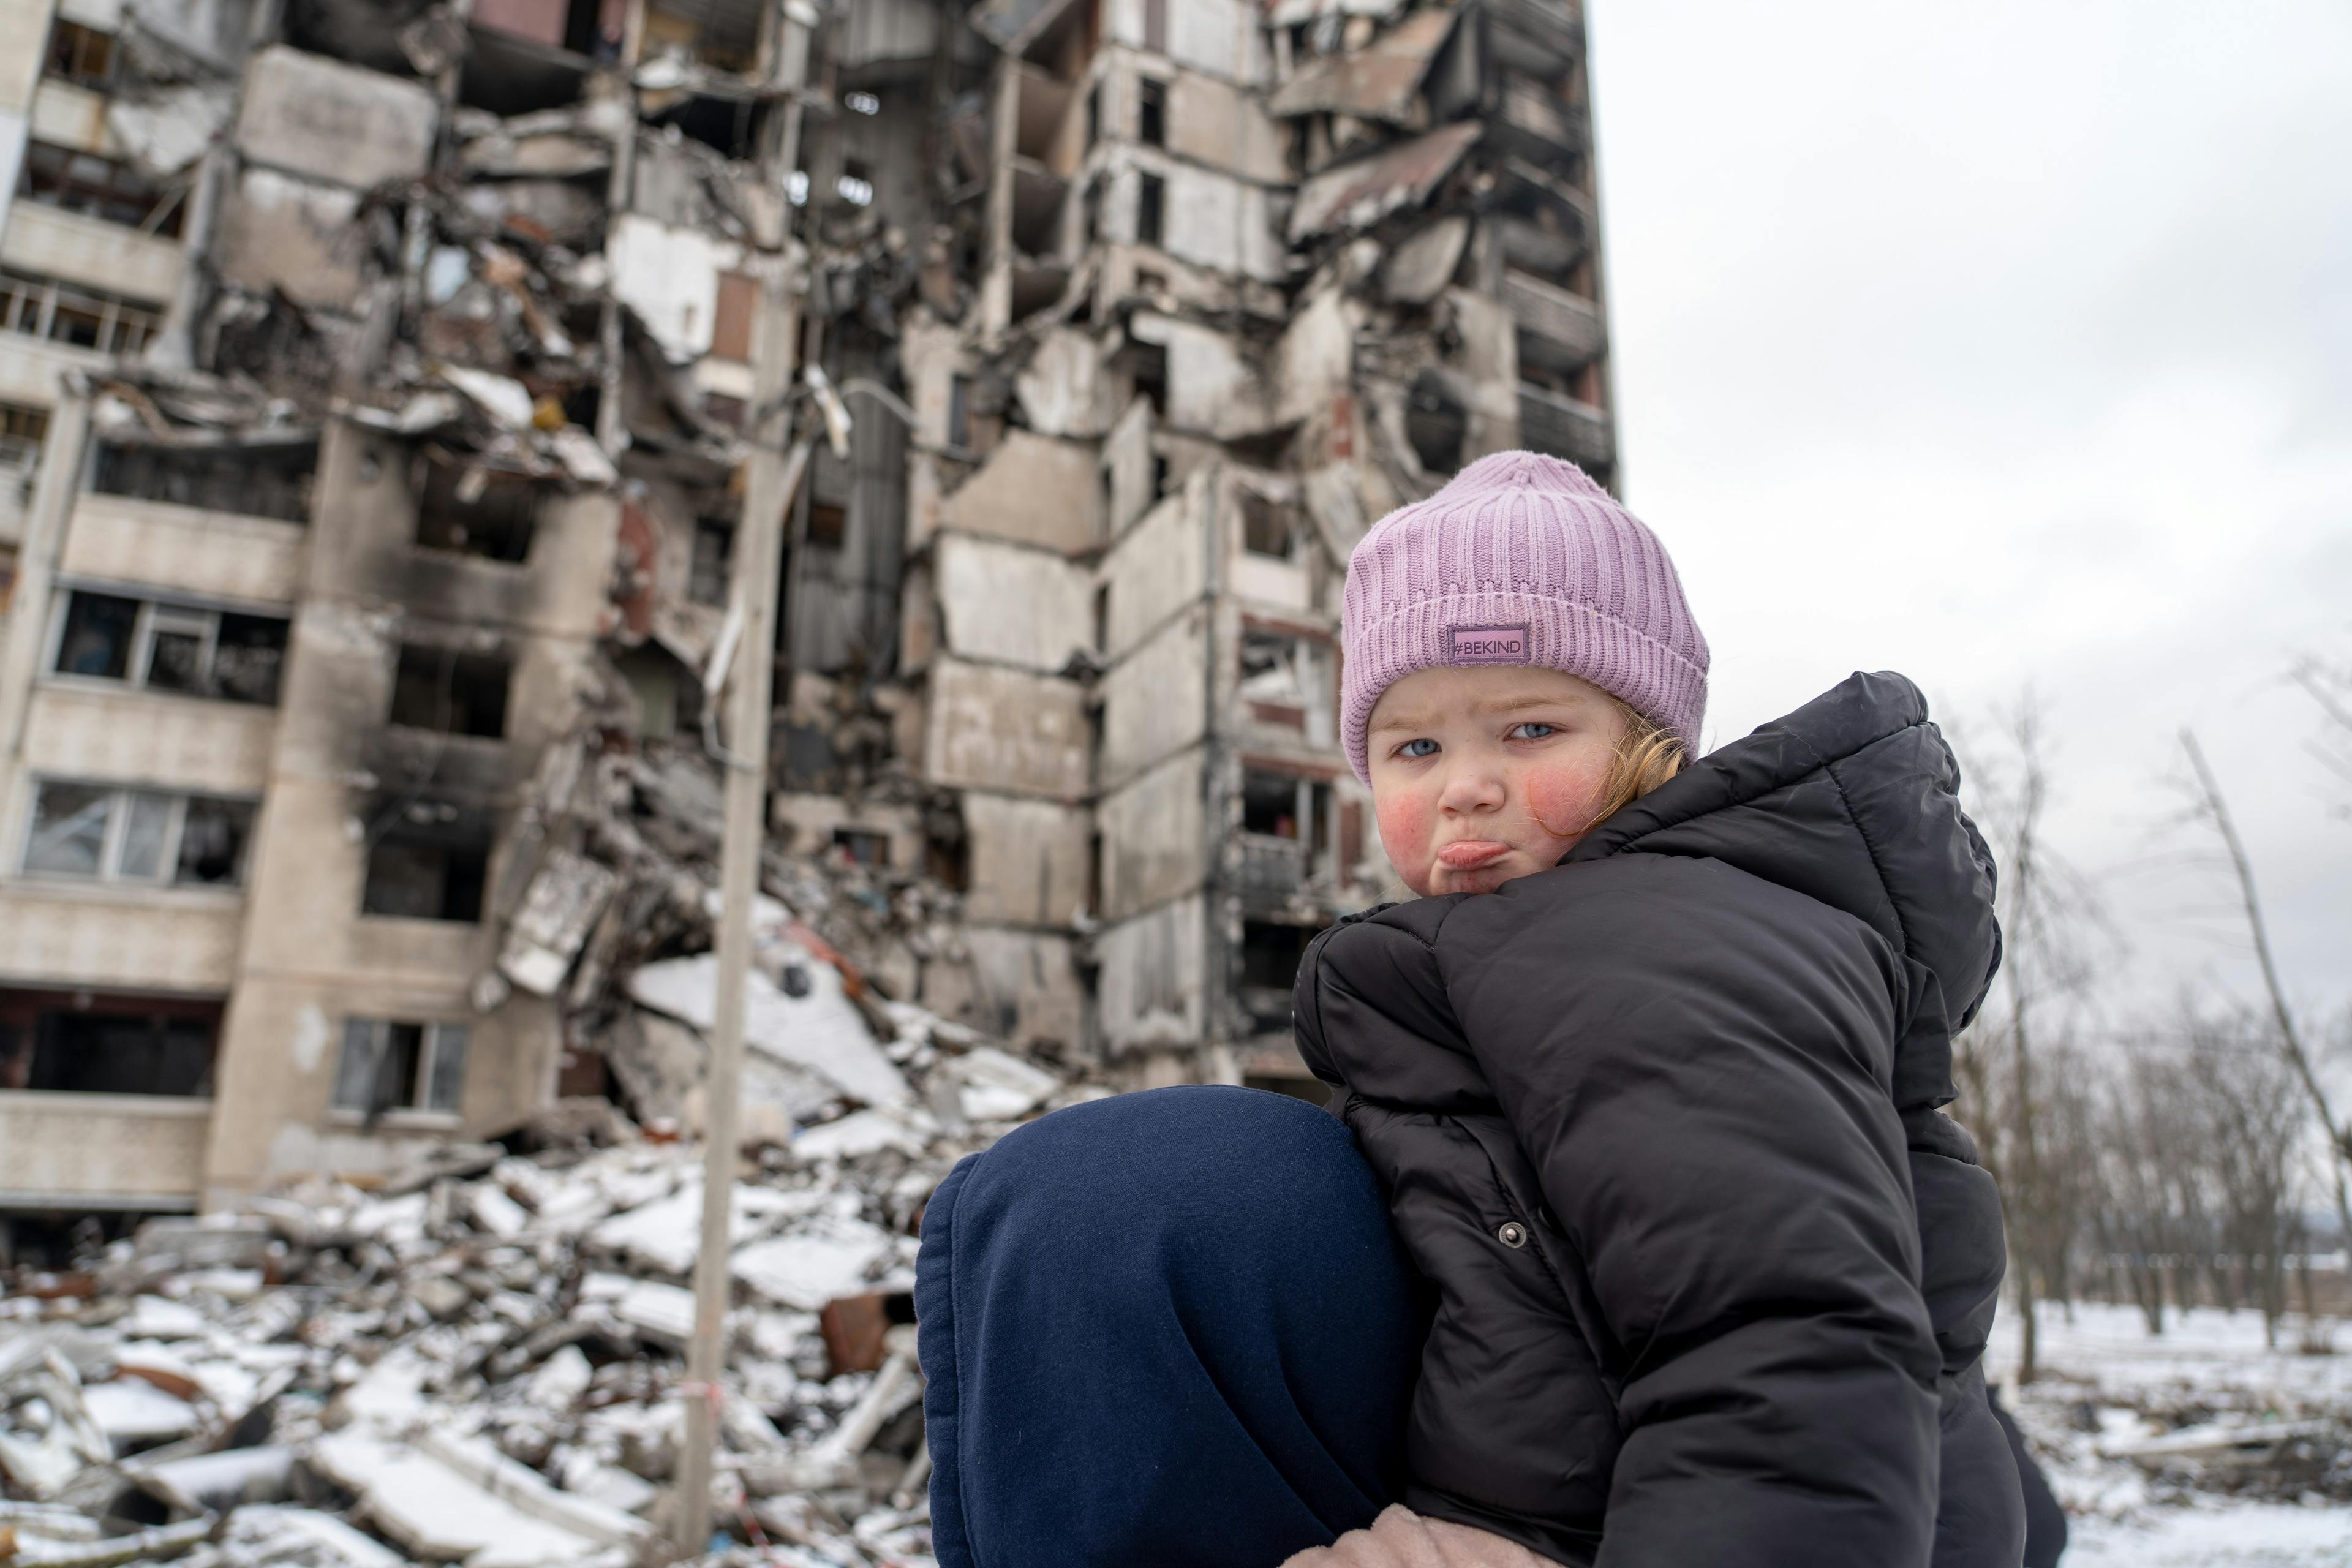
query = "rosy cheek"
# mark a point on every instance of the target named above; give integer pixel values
(1563, 799)
(1405, 828)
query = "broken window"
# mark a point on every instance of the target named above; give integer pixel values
(111, 835)
(1278, 681)
(390, 1064)
(82, 56)
(1436, 423)
(1150, 202)
(22, 432)
(828, 524)
(464, 509)
(714, 541)
(272, 481)
(863, 846)
(1268, 527)
(1151, 112)
(171, 647)
(1271, 803)
(430, 864)
(78, 317)
(1094, 114)
(457, 693)
(81, 1042)
(103, 188)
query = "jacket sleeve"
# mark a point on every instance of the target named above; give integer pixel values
(1698, 1064)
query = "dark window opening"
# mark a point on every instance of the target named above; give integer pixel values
(79, 317)
(960, 412)
(510, 74)
(389, 1065)
(863, 846)
(82, 56)
(462, 511)
(427, 869)
(1270, 804)
(714, 542)
(725, 123)
(1151, 112)
(271, 481)
(1268, 527)
(249, 656)
(1436, 423)
(81, 1042)
(828, 524)
(1150, 375)
(453, 693)
(171, 647)
(104, 188)
(1150, 202)
(98, 632)
(1094, 114)
(1160, 475)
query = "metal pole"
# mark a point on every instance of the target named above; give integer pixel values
(759, 546)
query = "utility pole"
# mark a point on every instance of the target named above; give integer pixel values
(772, 474)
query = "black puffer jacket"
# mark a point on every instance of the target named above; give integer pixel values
(1713, 1273)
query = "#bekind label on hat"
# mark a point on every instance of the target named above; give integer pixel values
(1488, 644)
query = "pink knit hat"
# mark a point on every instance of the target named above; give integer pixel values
(1520, 560)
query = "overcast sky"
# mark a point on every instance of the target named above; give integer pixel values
(2008, 343)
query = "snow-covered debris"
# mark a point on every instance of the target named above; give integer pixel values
(479, 1360)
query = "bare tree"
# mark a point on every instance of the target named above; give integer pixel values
(2330, 686)
(2212, 807)
(2050, 923)
(2251, 1133)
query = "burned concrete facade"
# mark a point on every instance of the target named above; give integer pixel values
(384, 379)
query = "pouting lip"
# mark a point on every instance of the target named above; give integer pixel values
(1469, 854)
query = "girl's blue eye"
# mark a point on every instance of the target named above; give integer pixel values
(1531, 730)
(1416, 749)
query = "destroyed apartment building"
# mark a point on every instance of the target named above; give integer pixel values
(380, 381)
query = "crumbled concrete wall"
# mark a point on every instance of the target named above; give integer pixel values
(1032, 489)
(1027, 860)
(279, 232)
(1013, 602)
(1155, 700)
(1154, 837)
(1158, 568)
(1155, 979)
(992, 728)
(310, 115)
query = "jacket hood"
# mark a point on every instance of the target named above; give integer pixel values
(1852, 800)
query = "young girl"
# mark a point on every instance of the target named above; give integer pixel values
(1657, 1116)
(1694, 1273)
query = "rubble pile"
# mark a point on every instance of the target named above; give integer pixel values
(482, 1359)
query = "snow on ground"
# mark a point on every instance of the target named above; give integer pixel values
(2105, 1381)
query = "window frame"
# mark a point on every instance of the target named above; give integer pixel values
(138, 659)
(121, 800)
(125, 325)
(433, 1044)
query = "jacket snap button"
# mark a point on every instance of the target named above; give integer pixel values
(1512, 1234)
